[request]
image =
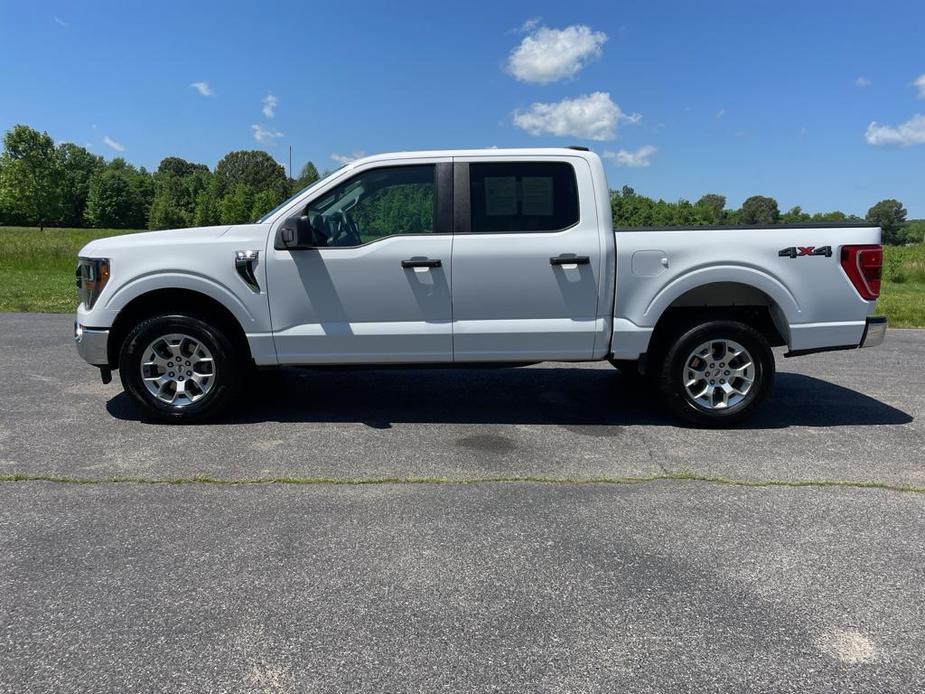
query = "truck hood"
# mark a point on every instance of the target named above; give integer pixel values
(101, 248)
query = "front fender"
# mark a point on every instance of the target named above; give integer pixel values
(113, 302)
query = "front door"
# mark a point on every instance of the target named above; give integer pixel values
(527, 263)
(377, 289)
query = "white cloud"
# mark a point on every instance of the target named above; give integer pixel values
(862, 82)
(635, 159)
(592, 117)
(266, 136)
(61, 22)
(347, 158)
(109, 142)
(920, 85)
(721, 113)
(203, 88)
(548, 55)
(912, 132)
(269, 105)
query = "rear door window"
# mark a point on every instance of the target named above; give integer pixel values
(522, 196)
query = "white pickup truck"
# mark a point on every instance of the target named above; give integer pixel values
(491, 256)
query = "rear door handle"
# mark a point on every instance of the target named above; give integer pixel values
(421, 262)
(570, 259)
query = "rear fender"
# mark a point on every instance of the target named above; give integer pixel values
(783, 298)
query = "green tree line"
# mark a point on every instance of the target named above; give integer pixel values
(44, 184)
(633, 210)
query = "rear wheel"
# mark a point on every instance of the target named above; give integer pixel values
(716, 374)
(179, 368)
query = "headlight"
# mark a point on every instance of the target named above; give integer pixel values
(92, 276)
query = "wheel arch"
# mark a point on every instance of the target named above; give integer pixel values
(175, 301)
(730, 300)
(737, 283)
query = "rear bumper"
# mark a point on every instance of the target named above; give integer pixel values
(92, 344)
(874, 331)
(873, 335)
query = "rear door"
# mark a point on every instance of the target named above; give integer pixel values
(526, 260)
(378, 289)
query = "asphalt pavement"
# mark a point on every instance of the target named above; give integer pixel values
(472, 584)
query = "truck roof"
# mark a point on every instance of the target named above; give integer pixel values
(574, 150)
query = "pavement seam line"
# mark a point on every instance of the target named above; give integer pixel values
(361, 481)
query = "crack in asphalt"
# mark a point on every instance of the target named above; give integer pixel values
(361, 481)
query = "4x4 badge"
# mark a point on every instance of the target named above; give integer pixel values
(797, 251)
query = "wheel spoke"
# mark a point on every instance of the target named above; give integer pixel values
(694, 376)
(702, 392)
(166, 391)
(156, 359)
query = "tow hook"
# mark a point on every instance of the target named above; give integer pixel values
(106, 374)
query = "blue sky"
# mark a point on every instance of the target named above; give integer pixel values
(739, 97)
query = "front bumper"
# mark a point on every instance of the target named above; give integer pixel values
(874, 331)
(92, 344)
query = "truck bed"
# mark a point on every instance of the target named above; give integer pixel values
(793, 269)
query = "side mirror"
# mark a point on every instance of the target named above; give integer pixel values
(296, 234)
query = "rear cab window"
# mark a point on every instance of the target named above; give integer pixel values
(522, 197)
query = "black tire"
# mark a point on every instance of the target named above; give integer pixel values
(228, 368)
(673, 370)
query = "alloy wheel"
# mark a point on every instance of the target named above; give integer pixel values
(718, 375)
(177, 369)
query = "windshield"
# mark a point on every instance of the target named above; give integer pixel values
(288, 200)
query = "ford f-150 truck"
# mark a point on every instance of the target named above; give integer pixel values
(471, 256)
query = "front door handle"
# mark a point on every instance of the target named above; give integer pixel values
(421, 262)
(570, 259)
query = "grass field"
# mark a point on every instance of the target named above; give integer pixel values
(38, 267)
(38, 273)
(902, 295)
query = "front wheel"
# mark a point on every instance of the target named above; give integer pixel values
(179, 368)
(716, 374)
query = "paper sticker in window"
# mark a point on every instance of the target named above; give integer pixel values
(537, 196)
(500, 196)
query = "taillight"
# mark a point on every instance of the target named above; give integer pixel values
(863, 265)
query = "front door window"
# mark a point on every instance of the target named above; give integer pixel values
(376, 204)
